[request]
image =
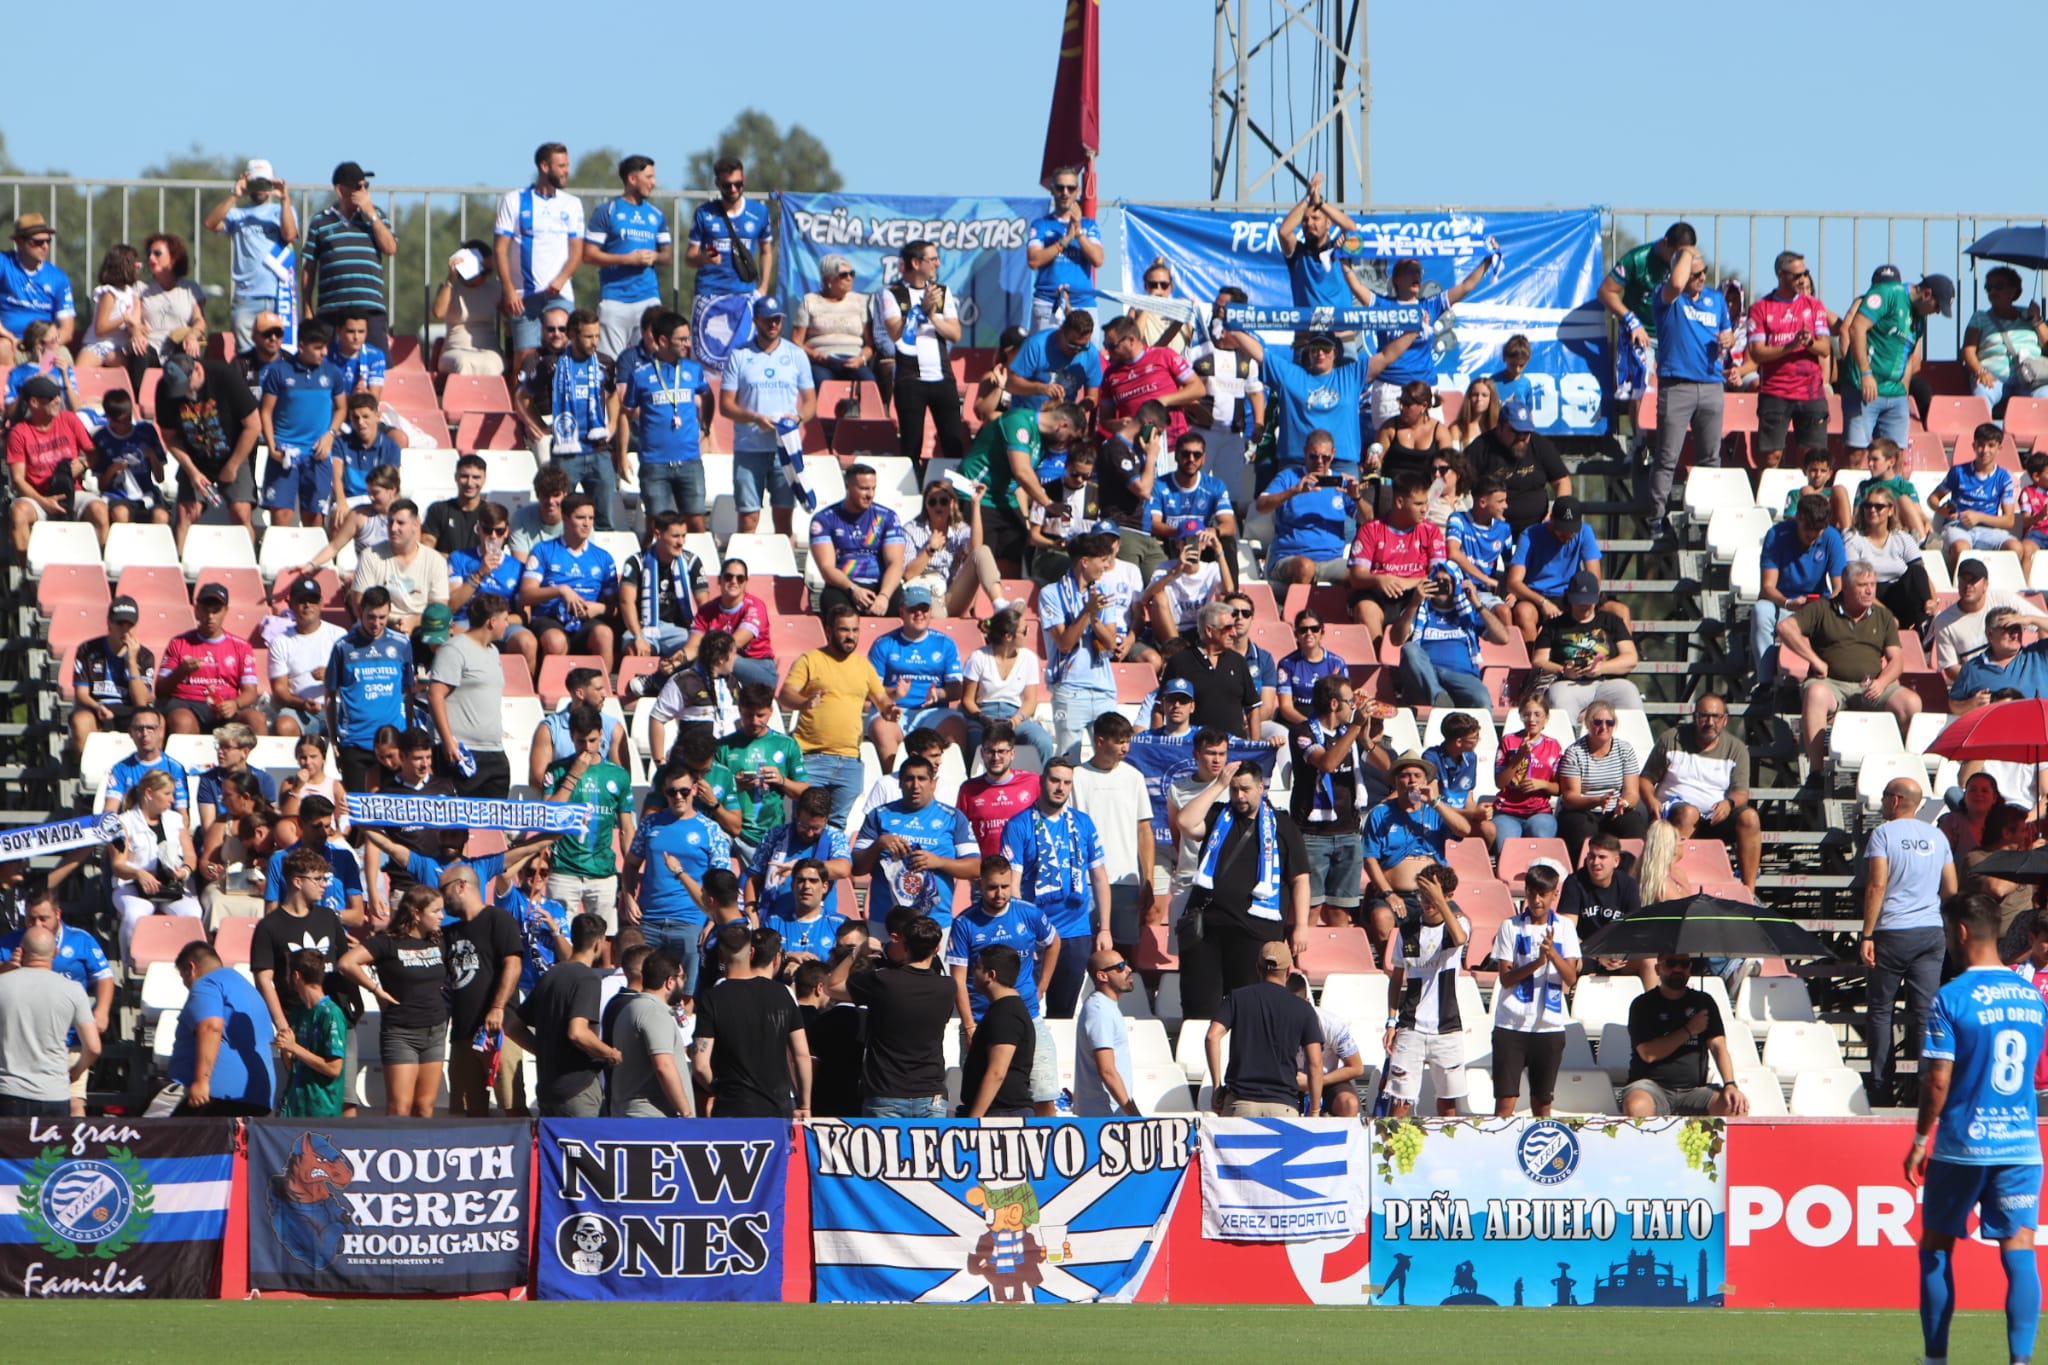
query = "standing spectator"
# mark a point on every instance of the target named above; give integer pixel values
(1978, 502)
(346, 243)
(303, 408)
(1087, 630)
(558, 1023)
(1226, 693)
(1326, 749)
(586, 876)
(1064, 250)
(628, 241)
(639, 1024)
(1002, 1046)
(1599, 894)
(486, 957)
(222, 1055)
(669, 855)
(316, 1045)
(1137, 374)
(834, 328)
(410, 980)
(469, 301)
(1884, 340)
(111, 675)
(1851, 644)
(539, 245)
(1672, 1031)
(1267, 1025)
(453, 525)
(1425, 1027)
(1790, 342)
(1699, 781)
(908, 1000)
(664, 395)
(78, 958)
(311, 915)
(571, 586)
(732, 249)
(999, 918)
(1103, 1074)
(266, 350)
(1417, 363)
(259, 233)
(49, 1039)
(859, 548)
(1586, 654)
(1911, 870)
(32, 289)
(466, 697)
(753, 1055)
(765, 391)
(1600, 784)
(1310, 241)
(583, 399)
(1405, 836)
(1000, 791)
(1537, 955)
(170, 300)
(918, 844)
(1003, 459)
(1055, 365)
(1626, 293)
(767, 767)
(923, 321)
(1526, 464)
(1317, 392)
(1061, 869)
(1124, 477)
(1438, 633)
(1112, 793)
(829, 687)
(1251, 892)
(210, 423)
(1803, 558)
(1694, 335)
(368, 676)
(47, 449)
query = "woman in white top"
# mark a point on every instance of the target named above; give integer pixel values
(1879, 540)
(312, 779)
(1476, 415)
(947, 554)
(153, 859)
(832, 326)
(116, 331)
(469, 306)
(1002, 683)
(169, 300)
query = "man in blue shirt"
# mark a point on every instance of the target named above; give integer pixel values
(661, 397)
(222, 1053)
(79, 958)
(538, 242)
(1548, 556)
(1057, 365)
(999, 915)
(1404, 834)
(1803, 559)
(1320, 392)
(922, 670)
(343, 893)
(31, 289)
(1064, 250)
(628, 241)
(1058, 856)
(1309, 240)
(304, 405)
(1311, 509)
(858, 548)
(146, 728)
(913, 848)
(1478, 541)
(1192, 493)
(1693, 341)
(2004, 662)
(369, 675)
(809, 834)
(571, 585)
(763, 385)
(259, 233)
(663, 875)
(1087, 624)
(1982, 1046)
(1910, 870)
(808, 929)
(1977, 503)
(732, 249)
(1417, 360)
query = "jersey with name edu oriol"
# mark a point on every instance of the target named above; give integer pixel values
(1988, 1024)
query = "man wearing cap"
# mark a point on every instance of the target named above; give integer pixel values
(628, 241)
(1851, 643)
(1172, 708)
(1586, 654)
(1885, 332)
(298, 662)
(1694, 337)
(1404, 834)
(1437, 631)
(258, 232)
(1268, 1026)
(46, 464)
(1316, 391)
(111, 674)
(922, 319)
(346, 244)
(1959, 628)
(1548, 558)
(1803, 558)
(765, 383)
(1527, 465)
(2007, 662)
(921, 669)
(209, 676)
(32, 289)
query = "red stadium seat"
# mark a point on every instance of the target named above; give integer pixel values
(475, 393)
(244, 585)
(93, 385)
(1706, 861)
(975, 361)
(873, 628)
(1738, 413)
(785, 596)
(146, 398)
(160, 938)
(964, 632)
(1450, 402)
(232, 939)
(1488, 904)
(477, 431)
(404, 354)
(2026, 421)
(518, 682)
(790, 636)
(866, 437)
(1277, 638)
(411, 386)
(554, 675)
(333, 593)
(1335, 951)
(1517, 854)
(1134, 682)
(1018, 592)
(1264, 606)
(1470, 859)
(1152, 954)
(632, 667)
(1954, 416)
(73, 585)
(148, 583)
(1946, 377)
(1351, 643)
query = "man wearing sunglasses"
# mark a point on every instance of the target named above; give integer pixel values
(1103, 1073)
(31, 288)
(1694, 338)
(1789, 340)
(346, 244)
(1064, 251)
(732, 249)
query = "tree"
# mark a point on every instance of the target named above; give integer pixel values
(775, 160)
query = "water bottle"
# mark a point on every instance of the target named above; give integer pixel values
(211, 496)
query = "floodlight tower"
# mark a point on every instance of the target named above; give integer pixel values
(1291, 95)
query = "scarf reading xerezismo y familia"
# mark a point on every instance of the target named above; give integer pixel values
(1266, 893)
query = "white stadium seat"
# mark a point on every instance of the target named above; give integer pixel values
(1792, 1047)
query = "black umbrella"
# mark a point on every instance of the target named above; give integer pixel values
(1705, 926)
(2015, 865)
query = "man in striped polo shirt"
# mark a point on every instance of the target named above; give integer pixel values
(346, 244)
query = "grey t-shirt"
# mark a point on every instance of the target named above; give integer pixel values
(527, 530)
(641, 1029)
(476, 704)
(1101, 1026)
(38, 1010)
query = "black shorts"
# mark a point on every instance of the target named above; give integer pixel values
(1003, 533)
(243, 489)
(1389, 604)
(199, 710)
(1540, 1054)
(1808, 419)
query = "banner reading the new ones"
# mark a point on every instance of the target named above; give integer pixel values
(981, 240)
(995, 1211)
(1545, 289)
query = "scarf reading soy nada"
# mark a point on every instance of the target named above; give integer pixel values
(1266, 893)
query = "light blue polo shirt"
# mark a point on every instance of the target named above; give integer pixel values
(1915, 853)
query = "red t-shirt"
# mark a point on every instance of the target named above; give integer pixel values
(751, 611)
(1381, 547)
(1156, 373)
(42, 450)
(1774, 322)
(226, 666)
(989, 806)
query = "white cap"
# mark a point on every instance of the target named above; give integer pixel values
(259, 169)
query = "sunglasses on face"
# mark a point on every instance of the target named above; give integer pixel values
(1599, 725)
(732, 578)
(1064, 189)
(554, 331)
(1159, 284)
(1240, 614)
(272, 333)
(732, 184)
(673, 792)
(1308, 630)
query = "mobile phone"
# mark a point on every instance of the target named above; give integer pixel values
(1146, 433)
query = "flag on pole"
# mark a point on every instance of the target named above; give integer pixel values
(1073, 132)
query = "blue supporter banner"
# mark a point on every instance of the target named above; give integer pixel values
(462, 812)
(662, 1209)
(981, 241)
(1165, 758)
(1284, 1180)
(1545, 289)
(1002, 1211)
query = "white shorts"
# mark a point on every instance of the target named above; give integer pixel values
(1442, 1053)
(81, 498)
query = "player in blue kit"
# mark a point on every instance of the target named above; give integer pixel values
(1983, 1040)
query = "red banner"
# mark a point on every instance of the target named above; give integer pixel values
(1820, 1216)
(1073, 130)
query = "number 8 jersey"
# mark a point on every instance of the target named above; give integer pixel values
(1988, 1024)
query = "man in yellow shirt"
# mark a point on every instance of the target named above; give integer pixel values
(830, 689)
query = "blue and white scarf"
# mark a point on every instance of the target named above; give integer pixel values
(679, 570)
(1056, 859)
(1323, 807)
(1266, 892)
(573, 419)
(283, 263)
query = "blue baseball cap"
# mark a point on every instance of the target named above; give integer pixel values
(767, 306)
(918, 596)
(1177, 687)
(1190, 526)
(1518, 416)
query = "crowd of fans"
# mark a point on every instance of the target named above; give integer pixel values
(1091, 509)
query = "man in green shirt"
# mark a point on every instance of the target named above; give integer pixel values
(1626, 294)
(1885, 335)
(316, 1043)
(767, 767)
(586, 865)
(1018, 437)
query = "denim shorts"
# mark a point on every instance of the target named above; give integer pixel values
(412, 1046)
(754, 469)
(1336, 862)
(674, 486)
(888, 1107)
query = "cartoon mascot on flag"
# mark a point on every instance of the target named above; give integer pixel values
(1007, 1256)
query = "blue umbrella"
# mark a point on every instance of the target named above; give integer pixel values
(2025, 246)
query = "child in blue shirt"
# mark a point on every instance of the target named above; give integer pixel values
(128, 461)
(1457, 772)
(364, 444)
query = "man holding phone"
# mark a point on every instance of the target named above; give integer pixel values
(1124, 473)
(346, 244)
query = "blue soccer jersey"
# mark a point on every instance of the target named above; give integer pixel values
(1486, 546)
(305, 401)
(1175, 504)
(939, 830)
(927, 664)
(590, 572)
(620, 227)
(1055, 858)
(665, 396)
(711, 225)
(1988, 1025)
(696, 843)
(1969, 491)
(1022, 926)
(776, 859)
(813, 936)
(365, 368)
(857, 542)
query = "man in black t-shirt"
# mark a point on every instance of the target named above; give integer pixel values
(303, 920)
(1124, 473)
(1586, 653)
(834, 1032)
(908, 1006)
(1243, 908)
(1598, 894)
(559, 1025)
(111, 675)
(995, 1079)
(750, 1041)
(485, 953)
(1328, 751)
(208, 416)
(1527, 465)
(1671, 1031)
(1227, 693)
(1267, 1025)
(451, 524)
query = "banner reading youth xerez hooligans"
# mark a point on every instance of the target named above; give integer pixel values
(1004, 1211)
(662, 1209)
(1545, 290)
(99, 1208)
(1534, 1212)
(388, 1206)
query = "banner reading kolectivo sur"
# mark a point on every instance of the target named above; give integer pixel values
(995, 1211)
(981, 240)
(104, 1209)
(388, 1206)
(1284, 1180)
(1545, 289)
(675, 1209)
(1541, 1213)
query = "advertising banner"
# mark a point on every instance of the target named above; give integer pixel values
(981, 240)
(103, 1209)
(388, 1206)
(1003, 1211)
(1283, 1180)
(671, 1209)
(1539, 1212)
(1545, 288)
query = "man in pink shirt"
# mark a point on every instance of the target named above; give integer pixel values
(1134, 372)
(208, 677)
(988, 801)
(743, 616)
(1789, 341)
(1390, 558)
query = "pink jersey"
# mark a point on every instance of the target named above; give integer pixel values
(988, 806)
(1519, 761)
(1775, 321)
(752, 612)
(226, 666)
(1156, 373)
(1382, 547)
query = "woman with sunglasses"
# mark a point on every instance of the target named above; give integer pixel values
(743, 616)
(952, 559)
(1303, 667)
(1411, 442)
(1153, 328)
(1450, 487)
(2003, 338)
(1600, 787)
(1878, 539)
(834, 328)
(1883, 461)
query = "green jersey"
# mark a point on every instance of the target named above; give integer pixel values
(607, 788)
(763, 809)
(1893, 334)
(1640, 274)
(988, 459)
(322, 1031)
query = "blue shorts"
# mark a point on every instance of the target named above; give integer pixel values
(1976, 537)
(752, 470)
(281, 486)
(2006, 1199)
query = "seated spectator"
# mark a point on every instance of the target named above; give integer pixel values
(1881, 542)
(1478, 540)
(1699, 781)
(43, 354)
(366, 444)
(1802, 558)
(468, 302)
(1587, 653)
(146, 729)
(128, 463)
(207, 675)
(153, 859)
(921, 669)
(2033, 495)
(832, 326)
(571, 587)
(367, 527)
(245, 830)
(659, 591)
(701, 697)
(1391, 558)
(415, 575)
(1547, 561)
(1193, 574)
(1438, 634)
(362, 364)
(1478, 414)
(540, 519)
(1310, 510)
(2007, 828)
(47, 448)
(1964, 823)
(1600, 787)
(1977, 504)
(1303, 667)
(490, 570)
(1671, 1032)
(1192, 493)
(1456, 760)
(1000, 684)
(1886, 476)
(1851, 645)
(168, 299)
(117, 334)
(1527, 465)
(1999, 340)
(1075, 510)
(1525, 777)
(2007, 662)
(234, 745)
(298, 662)
(948, 556)
(111, 675)
(1409, 441)
(1820, 482)
(265, 349)
(451, 524)
(1450, 487)
(858, 547)
(738, 613)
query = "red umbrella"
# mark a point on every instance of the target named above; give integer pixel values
(2008, 731)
